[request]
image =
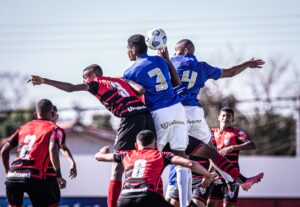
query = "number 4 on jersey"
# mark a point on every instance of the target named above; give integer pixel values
(189, 77)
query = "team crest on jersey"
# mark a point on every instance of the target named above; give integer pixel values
(226, 142)
(202, 190)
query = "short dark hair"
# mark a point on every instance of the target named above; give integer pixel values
(145, 137)
(54, 108)
(44, 107)
(186, 43)
(138, 42)
(94, 68)
(228, 110)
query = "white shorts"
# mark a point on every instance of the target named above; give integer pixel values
(170, 126)
(197, 126)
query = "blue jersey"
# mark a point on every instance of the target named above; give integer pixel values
(172, 175)
(193, 75)
(152, 72)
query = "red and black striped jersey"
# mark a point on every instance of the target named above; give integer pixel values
(202, 161)
(229, 137)
(117, 96)
(143, 169)
(32, 157)
(60, 138)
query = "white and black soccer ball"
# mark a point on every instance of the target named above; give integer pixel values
(156, 38)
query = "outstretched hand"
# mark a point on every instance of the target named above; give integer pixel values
(36, 80)
(253, 63)
(163, 52)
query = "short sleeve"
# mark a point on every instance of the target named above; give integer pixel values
(118, 157)
(93, 87)
(58, 136)
(13, 139)
(242, 137)
(167, 157)
(210, 71)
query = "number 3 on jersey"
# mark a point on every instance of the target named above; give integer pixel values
(27, 146)
(190, 78)
(161, 83)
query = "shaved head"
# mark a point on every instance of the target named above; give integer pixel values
(186, 46)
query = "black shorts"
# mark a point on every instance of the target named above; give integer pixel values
(150, 200)
(53, 184)
(222, 192)
(199, 193)
(130, 127)
(38, 191)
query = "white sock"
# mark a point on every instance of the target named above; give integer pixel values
(182, 175)
(190, 186)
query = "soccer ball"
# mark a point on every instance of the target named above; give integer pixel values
(156, 38)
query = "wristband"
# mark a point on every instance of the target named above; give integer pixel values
(58, 173)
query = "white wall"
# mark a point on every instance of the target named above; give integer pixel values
(281, 177)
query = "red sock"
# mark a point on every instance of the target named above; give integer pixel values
(226, 166)
(114, 191)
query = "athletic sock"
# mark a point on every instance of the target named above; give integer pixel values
(114, 191)
(182, 175)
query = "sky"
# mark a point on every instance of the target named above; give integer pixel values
(58, 39)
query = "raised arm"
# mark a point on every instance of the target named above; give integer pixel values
(104, 155)
(139, 89)
(68, 87)
(67, 154)
(236, 69)
(163, 52)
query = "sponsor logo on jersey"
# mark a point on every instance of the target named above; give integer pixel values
(135, 190)
(167, 124)
(137, 108)
(18, 174)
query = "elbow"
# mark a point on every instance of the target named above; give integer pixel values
(142, 91)
(97, 157)
(190, 164)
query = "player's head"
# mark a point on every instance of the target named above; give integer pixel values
(91, 72)
(145, 139)
(44, 109)
(183, 47)
(55, 114)
(136, 46)
(226, 116)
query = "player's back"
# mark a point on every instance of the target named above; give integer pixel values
(143, 169)
(32, 157)
(153, 74)
(117, 96)
(193, 75)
